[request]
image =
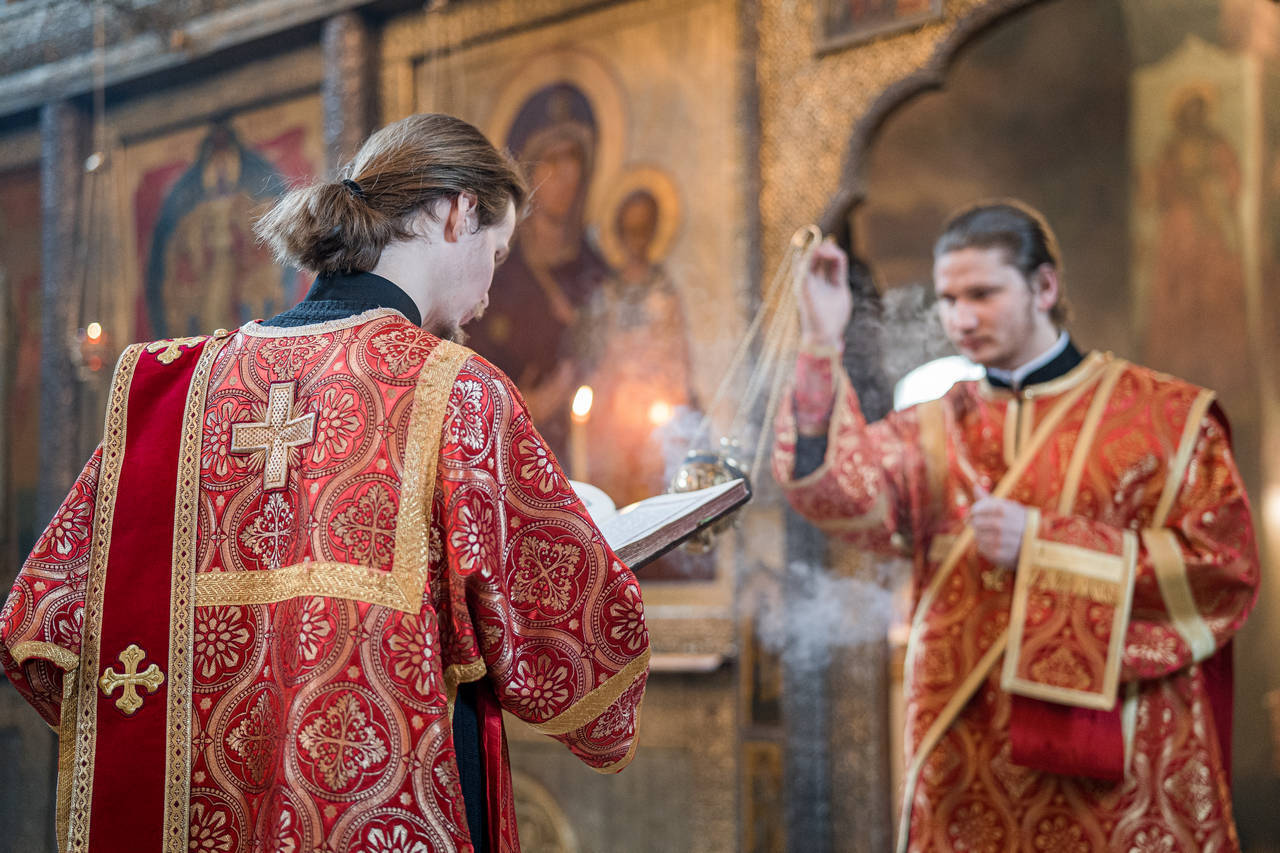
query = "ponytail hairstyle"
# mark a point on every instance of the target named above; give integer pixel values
(1017, 228)
(402, 170)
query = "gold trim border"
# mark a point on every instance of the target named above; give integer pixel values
(1010, 432)
(1060, 556)
(86, 718)
(1026, 422)
(64, 659)
(621, 763)
(461, 673)
(932, 416)
(254, 329)
(422, 456)
(1186, 445)
(182, 599)
(596, 702)
(66, 754)
(1171, 575)
(1088, 432)
(1021, 585)
(1104, 699)
(335, 579)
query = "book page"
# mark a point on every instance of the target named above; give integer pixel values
(599, 505)
(639, 519)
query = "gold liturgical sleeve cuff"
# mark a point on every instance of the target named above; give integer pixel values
(1068, 621)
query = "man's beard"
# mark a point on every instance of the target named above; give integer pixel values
(450, 332)
(453, 331)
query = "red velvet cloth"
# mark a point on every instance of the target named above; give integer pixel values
(1080, 742)
(127, 811)
(1219, 679)
(493, 752)
(1066, 740)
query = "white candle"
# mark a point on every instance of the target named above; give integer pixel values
(580, 413)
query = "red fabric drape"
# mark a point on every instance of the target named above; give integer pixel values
(1065, 740)
(130, 754)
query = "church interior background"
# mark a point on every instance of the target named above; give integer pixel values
(676, 144)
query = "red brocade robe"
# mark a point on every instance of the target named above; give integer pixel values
(301, 541)
(1082, 701)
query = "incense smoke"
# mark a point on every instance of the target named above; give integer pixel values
(819, 612)
(913, 332)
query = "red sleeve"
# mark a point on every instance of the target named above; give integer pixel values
(537, 600)
(872, 487)
(41, 622)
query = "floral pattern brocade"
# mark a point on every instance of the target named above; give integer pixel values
(321, 720)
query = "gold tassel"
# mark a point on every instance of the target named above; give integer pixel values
(1069, 583)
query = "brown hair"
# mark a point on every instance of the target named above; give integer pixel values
(401, 170)
(1017, 228)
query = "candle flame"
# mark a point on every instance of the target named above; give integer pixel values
(1271, 508)
(93, 331)
(582, 403)
(660, 412)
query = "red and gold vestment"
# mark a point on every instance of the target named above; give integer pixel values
(1080, 702)
(314, 535)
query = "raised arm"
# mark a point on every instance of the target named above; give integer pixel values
(865, 483)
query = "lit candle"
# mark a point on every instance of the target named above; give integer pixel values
(92, 346)
(660, 412)
(580, 414)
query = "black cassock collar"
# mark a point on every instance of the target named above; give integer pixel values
(1060, 365)
(333, 297)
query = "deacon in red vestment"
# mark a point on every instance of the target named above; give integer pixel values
(303, 547)
(1082, 556)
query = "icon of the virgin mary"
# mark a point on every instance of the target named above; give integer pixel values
(539, 294)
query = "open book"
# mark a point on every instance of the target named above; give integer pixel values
(645, 530)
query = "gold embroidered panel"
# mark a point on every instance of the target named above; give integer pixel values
(362, 546)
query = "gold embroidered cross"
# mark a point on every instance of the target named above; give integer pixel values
(172, 348)
(151, 678)
(276, 434)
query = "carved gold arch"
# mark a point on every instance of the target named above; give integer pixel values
(852, 188)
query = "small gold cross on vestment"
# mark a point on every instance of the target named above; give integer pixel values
(171, 348)
(276, 434)
(151, 678)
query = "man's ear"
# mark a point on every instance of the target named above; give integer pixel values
(1044, 285)
(462, 217)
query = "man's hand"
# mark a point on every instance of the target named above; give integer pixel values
(997, 526)
(825, 301)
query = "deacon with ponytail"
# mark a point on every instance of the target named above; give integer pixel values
(401, 171)
(339, 531)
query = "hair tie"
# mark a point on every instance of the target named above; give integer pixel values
(356, 189)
